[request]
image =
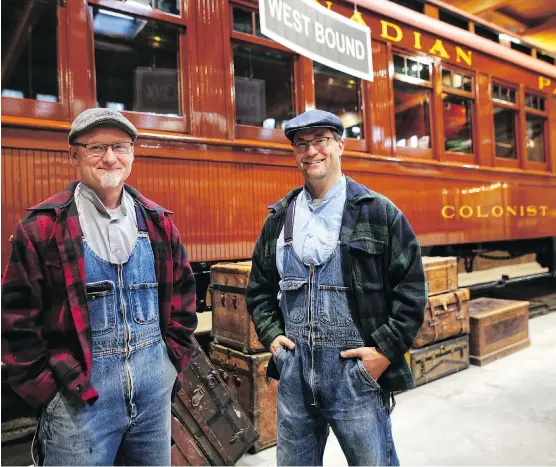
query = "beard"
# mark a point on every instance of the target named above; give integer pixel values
(110, 180)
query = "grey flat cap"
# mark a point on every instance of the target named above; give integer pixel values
(91, 118)
(313, 119)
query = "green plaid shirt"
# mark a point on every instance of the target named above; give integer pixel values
(382, 270)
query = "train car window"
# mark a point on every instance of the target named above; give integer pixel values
(504, 132)
(457, 113)
(412, 96)
(263, 80)
(243, 20)
(412, 114)
(29, 50)
(340, 94)
(457, 107)
(545, 57)
(536, 119)
(535, 134)
(136, 63)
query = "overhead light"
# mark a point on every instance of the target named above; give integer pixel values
(505, 37)
(145, 4)
(112, 24)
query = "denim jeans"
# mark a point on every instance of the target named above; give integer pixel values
(317, 390)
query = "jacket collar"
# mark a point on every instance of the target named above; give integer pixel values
(355, 194)
(63, 199)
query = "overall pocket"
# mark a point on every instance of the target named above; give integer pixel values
(332, 306)
(102, 307)
(294, 299)
(143, 299)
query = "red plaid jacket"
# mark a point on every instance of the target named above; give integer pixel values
(46, 336)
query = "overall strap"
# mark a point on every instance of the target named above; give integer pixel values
(288, 226)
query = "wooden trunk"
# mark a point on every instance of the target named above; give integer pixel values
(231, 324)
(446, 315)
(498, 328)
(441, 274)
(246, 378)
(438, 360)
(209, 424)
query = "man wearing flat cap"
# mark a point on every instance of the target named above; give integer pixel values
(337, 294)
(98, 309)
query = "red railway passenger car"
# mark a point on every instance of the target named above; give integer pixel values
(457, 129)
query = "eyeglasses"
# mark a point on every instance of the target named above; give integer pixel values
(97, 149)
(319, 143)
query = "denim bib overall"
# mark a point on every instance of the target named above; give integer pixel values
(319, 389)
(130, 422)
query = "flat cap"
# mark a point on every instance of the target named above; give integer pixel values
(313, 119)
(91, 118)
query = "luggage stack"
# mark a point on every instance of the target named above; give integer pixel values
(498, 328)
(442, 344)
(237, 353)
(208, 425)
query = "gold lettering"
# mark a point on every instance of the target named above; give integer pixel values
(531, 211)
(445, 214)
(543, 210)
(438, 47)
(479, 212)
(357, 17)
(497, 211)
(468, 209)
(329, 5)
(395, 27)
(510, 210)
(543, 82)
(521, 211)
(417, 44)
(462, 55)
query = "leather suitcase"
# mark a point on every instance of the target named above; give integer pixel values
(232, 326)
(438, 360)
(498, 328)
(209, 424)
(446, 315)
(246, 378)
(441, 274)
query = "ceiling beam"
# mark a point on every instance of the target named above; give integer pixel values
(478, 7)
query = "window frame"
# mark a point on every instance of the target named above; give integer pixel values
(528, 164)
(453, 156)
(251, 132)
(35, 109)
(518, 162)
(353, 144)
(413, 153)
(145, 120)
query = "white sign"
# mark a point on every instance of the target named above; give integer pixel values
(318, 33)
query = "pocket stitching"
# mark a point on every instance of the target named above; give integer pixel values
(147, 286)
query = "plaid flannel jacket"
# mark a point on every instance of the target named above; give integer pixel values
(46, 335)
(382, 269)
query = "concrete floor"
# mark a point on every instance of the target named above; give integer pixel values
(501, 414)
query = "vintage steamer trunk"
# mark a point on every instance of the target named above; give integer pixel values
(246, 378)
(209, 424)
(446, 315)
(441, 274)
(231, 324)
(438, 360)
(498, 328)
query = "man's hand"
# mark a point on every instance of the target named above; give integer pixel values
(281, 341)
(374, 362)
